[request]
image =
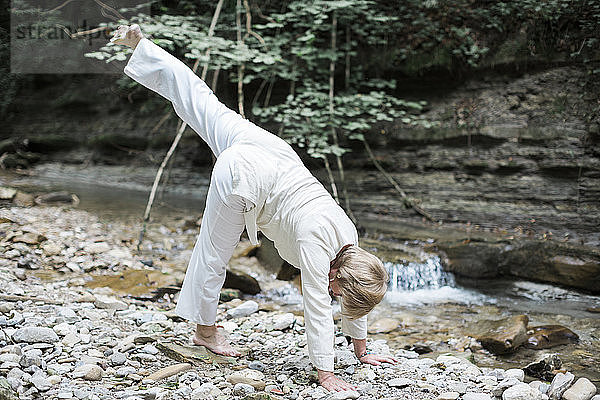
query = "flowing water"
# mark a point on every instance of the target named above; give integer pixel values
(435, 309)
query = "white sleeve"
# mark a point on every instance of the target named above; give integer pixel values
(318, 316)
(357, 328)
(192, 99)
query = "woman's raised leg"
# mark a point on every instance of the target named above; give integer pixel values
(192, 99)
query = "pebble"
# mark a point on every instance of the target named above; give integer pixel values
(242, 389)
(522, 391)
(169, 371)
(109, 303)
(448, 396)
(476, 396)
(35, 334)
(243, 310)
(248, 376)
(89, 372)
(560, 383)
(400, 382)
(583, 389)
(284, 321)
(519, 374)
(344, 394)
(257, 365)
(117, 359)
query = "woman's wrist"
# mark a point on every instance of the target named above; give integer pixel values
(363, 353)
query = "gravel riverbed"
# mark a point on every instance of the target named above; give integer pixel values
(62, 339)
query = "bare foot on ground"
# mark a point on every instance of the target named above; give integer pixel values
(215, 341)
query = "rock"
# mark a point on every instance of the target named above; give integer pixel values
(23, 199)
(256, 365)
(40, 382)
(448, 396)
(248, 376)
(35, 334)
(7, 193)
(503, 385)
(243, 310)
(521, 391)
(71, 339)
(367, 374)
(241, 281)
(502, 336)
(29, 238)
(516, 373)
(544, 366)
(345, 394)
(283, 321)
(124, 371)
(89, 372)
(51, 248)
(57, 198)
(117, 359)
(560, 383)
(400, 382)
(109, 303)
(583, 389)
(6, 391)
(476, 396)
(169, 371)
(546, 336)
(242, 389)
(229, 294)
(97, 248)
(384, 325)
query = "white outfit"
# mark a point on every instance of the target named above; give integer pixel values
(258, 182)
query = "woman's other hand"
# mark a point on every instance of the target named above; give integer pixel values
(376, 359)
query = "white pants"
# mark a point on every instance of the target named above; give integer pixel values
(221, 128)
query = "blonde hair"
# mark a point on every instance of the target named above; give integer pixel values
(363, 281)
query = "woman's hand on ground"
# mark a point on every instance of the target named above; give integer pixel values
(332, 383)
(376, 359)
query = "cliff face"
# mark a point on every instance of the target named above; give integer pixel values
(513, 171)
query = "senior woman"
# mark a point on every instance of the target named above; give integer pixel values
(259, 183)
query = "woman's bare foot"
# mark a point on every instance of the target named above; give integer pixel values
(128, 35)
(215, 341)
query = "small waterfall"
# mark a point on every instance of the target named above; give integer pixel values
(415, 276)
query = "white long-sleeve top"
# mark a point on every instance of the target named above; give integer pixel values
(292, 208)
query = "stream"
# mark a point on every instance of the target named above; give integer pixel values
(436, 310)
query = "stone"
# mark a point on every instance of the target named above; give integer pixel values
(31, 357)
(502, 336)
(448, 396)
(243, 310)
(400, 382)
(35, 334)
(560, 383)
(257, 365)
(29, 238)
(476, 396)
(7, 193)
(89, 372)
(384, 325)
(521, 391)
(97, 248)
(248, 376)
(503, 385)
(544, 367)
(124, 371)
(366, 374)
(40, 382)
(71, 339)
(242, 389)
(109, 303)
(241, 281)
(344, 394)
(283, 321)
(57, 198)
(516, 373)
(547, 336)
(582, 389)
(169, 371)
(117, 359)
(51, 248)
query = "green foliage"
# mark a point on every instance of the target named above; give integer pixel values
(290, 48)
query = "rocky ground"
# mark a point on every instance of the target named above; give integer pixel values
(63, 337)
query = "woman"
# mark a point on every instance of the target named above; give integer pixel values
(259, 182)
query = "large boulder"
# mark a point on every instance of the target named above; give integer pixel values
(502, 336)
